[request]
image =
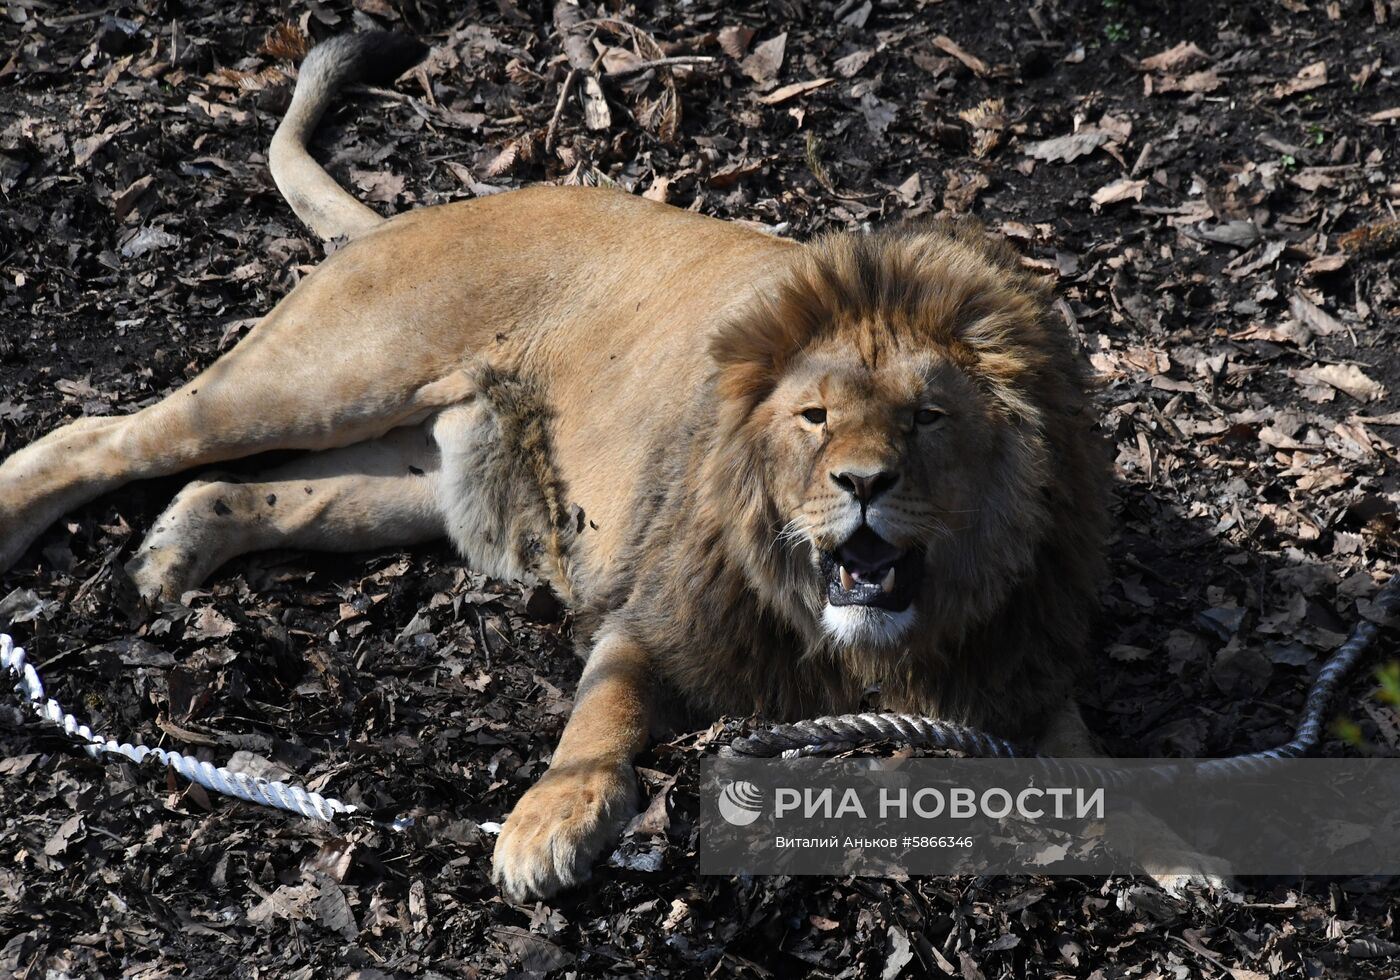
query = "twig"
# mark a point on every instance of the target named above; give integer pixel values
(844, 9)
(678, 60)
(568, 21)
(564, 91)
(1202, 954)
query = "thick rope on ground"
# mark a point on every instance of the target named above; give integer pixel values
(822, 735)
(816, 736)
(218, 779)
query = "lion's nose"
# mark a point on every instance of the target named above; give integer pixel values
(865, 487)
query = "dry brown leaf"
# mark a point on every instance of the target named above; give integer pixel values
(1377, 239)
(962, 190)
(1201, 81)
(379, 185)
(735, 172)
(974, 64)
(1346, 378)
(795, 89)
(767, 59)
(988, 122)
(1324, 265)
(660, 189)
(1122, 189)
(123, 203)
(1307, 79)
(286, 42)
(910, 190)
(850, 66)
(85, 148)
(1314, 317)
(734, 41)
(1184, 55)
(1067, 148)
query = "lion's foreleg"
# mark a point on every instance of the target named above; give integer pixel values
(561, 824)
(1066, 736)
(1157, 849)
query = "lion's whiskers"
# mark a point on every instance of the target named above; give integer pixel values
(794, 532)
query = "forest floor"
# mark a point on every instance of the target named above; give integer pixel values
(1213, 189)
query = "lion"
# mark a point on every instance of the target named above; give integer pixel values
(769, 476)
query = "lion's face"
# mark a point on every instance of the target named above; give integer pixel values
(876, 463)
(898, 418)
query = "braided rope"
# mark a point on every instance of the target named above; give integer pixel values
(218, 779)
(816, 736)
(833, 732)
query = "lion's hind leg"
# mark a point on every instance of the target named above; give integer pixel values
(374, 494)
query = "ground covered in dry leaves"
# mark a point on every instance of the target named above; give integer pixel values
(1213, 190)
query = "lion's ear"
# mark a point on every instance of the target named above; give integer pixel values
(754, 348)
(747, 363)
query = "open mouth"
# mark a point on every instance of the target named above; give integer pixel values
(866, 570)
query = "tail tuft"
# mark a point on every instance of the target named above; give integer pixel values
(377, 57)
(373, 57)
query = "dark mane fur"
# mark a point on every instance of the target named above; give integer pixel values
(732, 617)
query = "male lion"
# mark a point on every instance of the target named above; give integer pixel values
(768, 475)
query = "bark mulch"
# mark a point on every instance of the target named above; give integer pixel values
(1211, 185)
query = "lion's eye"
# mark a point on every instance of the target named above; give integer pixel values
(817, 416)
(928, 416)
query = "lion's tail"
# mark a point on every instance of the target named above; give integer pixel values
(326, 207)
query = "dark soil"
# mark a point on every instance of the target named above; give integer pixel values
(1237, 292)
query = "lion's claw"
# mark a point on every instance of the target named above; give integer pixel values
(556, 831)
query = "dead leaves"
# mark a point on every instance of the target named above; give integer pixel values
(1346, 378)
(317, 898)
(786, 92)
(963, 188)
(1123, 189)
(1314, 76)
(1066, 149)
(988, 122)
(1183, 57)
(1313, 317)
(1254, 502)
(1173, 70)
(85, 148)
(1373, 240)
(380, 187)
(766, 60)
(974, 64)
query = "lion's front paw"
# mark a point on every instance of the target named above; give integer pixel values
(1177, 872)
(1217, 881)
(555, 832)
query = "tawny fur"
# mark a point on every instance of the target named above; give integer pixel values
(606, 392)
(1002, 633)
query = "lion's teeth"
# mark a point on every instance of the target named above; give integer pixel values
(847, 582)
(887, 583)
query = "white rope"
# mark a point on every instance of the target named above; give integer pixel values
(241, 786)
